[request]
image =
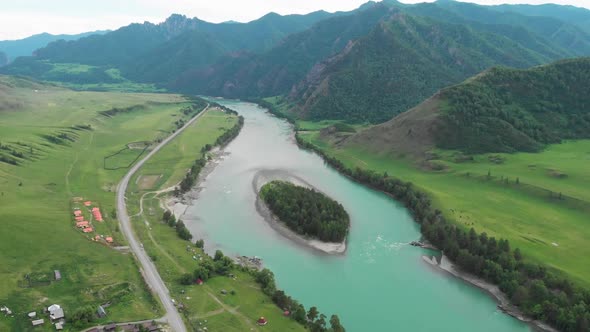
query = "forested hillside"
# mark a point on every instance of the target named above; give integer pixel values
(399, 64)
(159, 52)
(571, 14)
(557, 28)
(500, 110)
(507, 110)
(276, 71)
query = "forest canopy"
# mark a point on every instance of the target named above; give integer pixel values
(306, 211)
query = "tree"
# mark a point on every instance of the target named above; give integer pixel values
(520, 296)
(335, 324)
(186, 279)
(202, 272)
(200, 243)
(299, 314)
(312, 314)
(223, 265)
(82, 316)
(167, 215)
(218, 255)
(182, 231)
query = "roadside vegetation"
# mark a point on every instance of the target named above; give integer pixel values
(306, 211)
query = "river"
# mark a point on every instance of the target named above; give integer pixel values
(380, 284)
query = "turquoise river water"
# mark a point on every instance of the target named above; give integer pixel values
(380, 284)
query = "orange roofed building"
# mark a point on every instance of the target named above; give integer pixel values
(88, 230)
(82, 224)
(96, 213)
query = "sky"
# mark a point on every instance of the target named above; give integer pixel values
(22, 18)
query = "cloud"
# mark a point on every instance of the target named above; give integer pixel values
(23, 18)
(24, 24)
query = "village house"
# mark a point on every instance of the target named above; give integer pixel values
(38, 322)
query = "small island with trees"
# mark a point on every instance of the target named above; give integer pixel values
(306, 211)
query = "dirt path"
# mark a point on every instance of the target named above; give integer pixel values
(233, 311)
(210, 314)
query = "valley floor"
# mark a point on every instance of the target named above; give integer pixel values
(539, 202)
(60, 149)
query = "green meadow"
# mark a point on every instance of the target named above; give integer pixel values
(512, 196)
(56, 160)
(205, 305)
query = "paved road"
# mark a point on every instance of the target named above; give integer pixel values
(150, 273)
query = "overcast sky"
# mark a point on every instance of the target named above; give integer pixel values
(22, 18)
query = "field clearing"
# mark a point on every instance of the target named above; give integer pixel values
(39, 234)
(546, 229)
(179, 155)
(205, 305)
(147, 181)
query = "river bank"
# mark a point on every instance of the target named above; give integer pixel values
(264, 176)
(445, 265)
(378, 253)
(179, 204)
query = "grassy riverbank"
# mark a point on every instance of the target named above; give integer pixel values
(530, 214)
(61, 157)
(204, 305)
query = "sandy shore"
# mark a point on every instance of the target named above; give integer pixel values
(504, 304)
(179, 205)
(264, 176)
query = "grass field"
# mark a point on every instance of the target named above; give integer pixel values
(530, 214)
(38, 234)
(205, 306)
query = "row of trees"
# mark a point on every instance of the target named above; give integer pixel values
(312, 319)
(191, 177)
(221, 265)
(179, 226)
(306, 211)
(538, 292)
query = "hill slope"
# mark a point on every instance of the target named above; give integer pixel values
(399, 64)
(500, 110)
(277, 70)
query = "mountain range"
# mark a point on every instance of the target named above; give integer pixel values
(363, 66)
(26, 46)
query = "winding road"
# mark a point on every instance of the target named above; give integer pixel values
(150, 273)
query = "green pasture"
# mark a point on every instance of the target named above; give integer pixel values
(530, 214)
(39, 233)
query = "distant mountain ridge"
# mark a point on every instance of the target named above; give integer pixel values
(276, 71)
(26, 46)
(366, 65)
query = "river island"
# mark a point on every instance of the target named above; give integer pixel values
(320, 220)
